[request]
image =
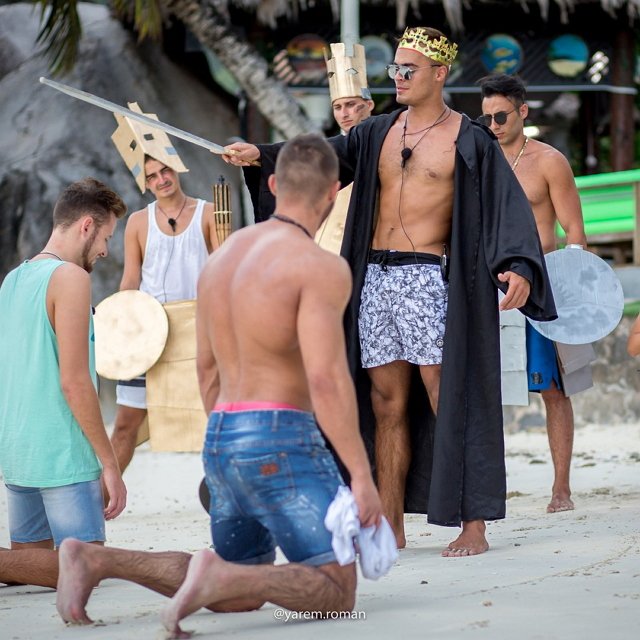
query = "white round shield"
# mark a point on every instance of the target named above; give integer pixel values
(588, 295)
(131, 329)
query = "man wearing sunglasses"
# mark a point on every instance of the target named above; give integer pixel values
(547, 180)
(426, 179)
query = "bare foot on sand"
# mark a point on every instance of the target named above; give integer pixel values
(202, 585)
(470, 542)
(75, 581)
(560, 502)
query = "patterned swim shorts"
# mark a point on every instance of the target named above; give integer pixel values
(403, 310)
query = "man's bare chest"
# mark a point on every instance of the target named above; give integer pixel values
(423, 158)
(534, 185)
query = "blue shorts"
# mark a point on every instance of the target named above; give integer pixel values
(271, 479)
(71, 511)
(542, 361)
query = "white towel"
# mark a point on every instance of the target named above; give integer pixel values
(376, 546)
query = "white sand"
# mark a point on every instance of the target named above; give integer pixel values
(567, 575)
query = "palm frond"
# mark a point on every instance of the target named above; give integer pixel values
(146, 16)
(60, 33)
(148, 19)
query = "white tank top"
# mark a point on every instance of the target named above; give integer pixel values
(172, 263)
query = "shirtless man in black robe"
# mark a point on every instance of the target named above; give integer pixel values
(421, 151)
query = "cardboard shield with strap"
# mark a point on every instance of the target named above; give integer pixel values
(588, 295)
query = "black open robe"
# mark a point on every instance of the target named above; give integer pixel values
(457, 470)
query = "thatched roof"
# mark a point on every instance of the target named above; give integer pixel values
(268, 11)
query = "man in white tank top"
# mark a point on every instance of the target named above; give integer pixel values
(165, 246)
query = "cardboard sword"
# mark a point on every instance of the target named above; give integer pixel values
(139, 117)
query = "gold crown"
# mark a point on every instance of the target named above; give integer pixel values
(347, 74)
(440, 50)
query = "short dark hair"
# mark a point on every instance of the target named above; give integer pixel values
(87, 197)
(501, 84)
(307, 164)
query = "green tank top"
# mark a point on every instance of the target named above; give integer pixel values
(41, 443)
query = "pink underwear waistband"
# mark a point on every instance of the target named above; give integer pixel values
(253, 406)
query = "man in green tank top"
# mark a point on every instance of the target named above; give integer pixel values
(53, 445)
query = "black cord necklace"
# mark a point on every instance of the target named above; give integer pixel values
(48, 253)
(173, 221)
(282, 218)
(407, 151)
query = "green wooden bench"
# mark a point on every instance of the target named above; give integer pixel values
(610, 207)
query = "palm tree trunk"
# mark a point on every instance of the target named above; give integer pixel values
(209, 23)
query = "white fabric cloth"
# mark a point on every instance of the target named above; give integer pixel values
(375, 546)
(172, 263)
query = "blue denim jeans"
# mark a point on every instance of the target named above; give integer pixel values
(271, 480)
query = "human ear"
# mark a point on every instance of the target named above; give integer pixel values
(271, 183)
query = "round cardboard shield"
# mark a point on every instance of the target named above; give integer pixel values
(588, 295)
(131, 329)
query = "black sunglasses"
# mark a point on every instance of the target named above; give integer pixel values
(500, 117)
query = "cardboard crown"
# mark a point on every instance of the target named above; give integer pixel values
(347, 74)
(134, 140)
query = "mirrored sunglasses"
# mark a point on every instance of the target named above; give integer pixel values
(405, 72)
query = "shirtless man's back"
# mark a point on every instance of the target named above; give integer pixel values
(271, 362)
(289, 279)
(269, 320)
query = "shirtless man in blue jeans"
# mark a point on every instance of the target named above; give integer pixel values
(271, 361)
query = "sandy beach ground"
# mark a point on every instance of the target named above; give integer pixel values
(560, 576)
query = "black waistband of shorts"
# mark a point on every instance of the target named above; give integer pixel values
(140, 381)
(401, 258)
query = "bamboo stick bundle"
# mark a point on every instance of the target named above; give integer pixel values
(222, 209)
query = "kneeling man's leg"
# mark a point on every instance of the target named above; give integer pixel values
(211, 581)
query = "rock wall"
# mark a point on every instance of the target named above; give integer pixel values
(614, 398)
(48, 139)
